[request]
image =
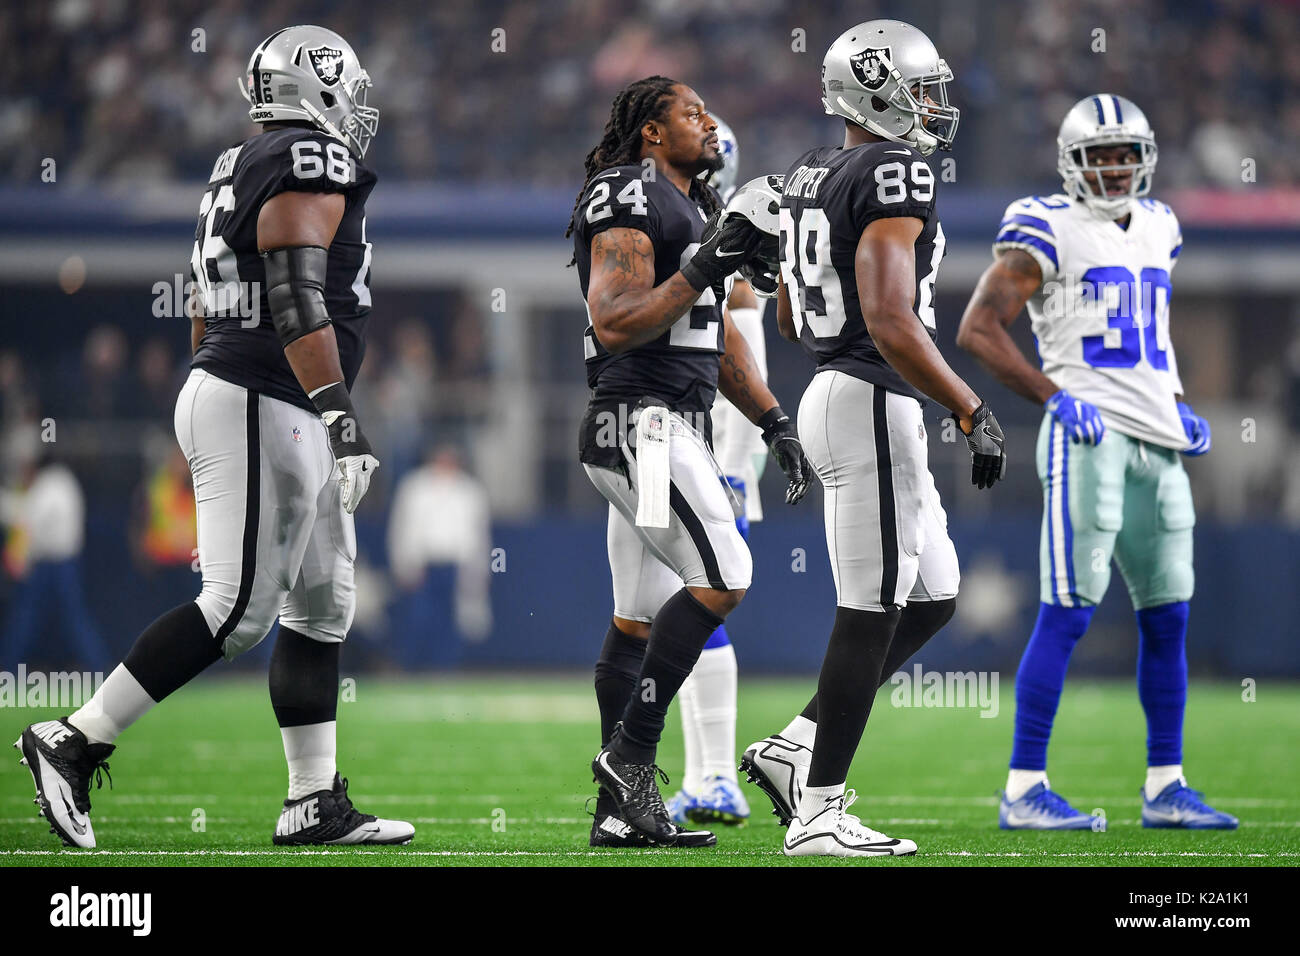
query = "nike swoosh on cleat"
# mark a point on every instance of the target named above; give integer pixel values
(603, 760)
(81, 831)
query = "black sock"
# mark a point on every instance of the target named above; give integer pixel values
(846, 688)
(172, 651)
(616, 674)
(681, 629)
(917, 623)
(304, 679)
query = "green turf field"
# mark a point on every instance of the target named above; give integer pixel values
(493, 771)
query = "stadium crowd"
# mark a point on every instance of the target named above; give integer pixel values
(504, 90)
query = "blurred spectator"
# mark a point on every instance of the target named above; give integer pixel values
(46, 520)
(117, 91)
(166, 531)
(439, 524)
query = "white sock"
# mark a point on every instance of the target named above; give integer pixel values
(693, 778)
(1020, 782)
(118, 703)
(1160, 777)
(814, 800)
(310, 751)
(801, 731)
(714, 678)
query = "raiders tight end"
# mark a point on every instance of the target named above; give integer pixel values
(653, 277)
(860, 250)
(278, 458)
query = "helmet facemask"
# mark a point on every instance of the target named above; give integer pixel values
(936, 119)
(1079, 176)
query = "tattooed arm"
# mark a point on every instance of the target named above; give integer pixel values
(627, 308)
(739, 377)
(1001, 294)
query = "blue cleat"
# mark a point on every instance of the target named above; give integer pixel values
(678, 805)
(720, 802)
(1043, 809)
(1178, 806)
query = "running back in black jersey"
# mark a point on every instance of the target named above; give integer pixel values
(240, 343)
(680, 367)
(831, 194)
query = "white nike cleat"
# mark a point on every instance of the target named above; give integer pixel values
(62, 761)
(327, 817)
(834, 832)
(779, 768)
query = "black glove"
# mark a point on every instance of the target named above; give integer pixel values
(987, 448)
(724, 249)
(780, 435)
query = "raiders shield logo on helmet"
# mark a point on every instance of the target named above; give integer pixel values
(328, 63)
(869, 68)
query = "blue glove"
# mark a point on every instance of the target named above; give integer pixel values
(1081, 420)
(1197, 428)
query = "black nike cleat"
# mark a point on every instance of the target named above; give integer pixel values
(633, 789)
(609, 830)
(62, 761)
(327, 817)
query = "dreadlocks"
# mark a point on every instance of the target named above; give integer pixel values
(633, 107)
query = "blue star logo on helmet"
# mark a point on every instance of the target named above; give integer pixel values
(869, 68)
(328, 64)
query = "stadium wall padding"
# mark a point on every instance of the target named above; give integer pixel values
(551, 604)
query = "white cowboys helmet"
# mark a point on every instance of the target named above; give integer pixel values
(724, 179)
(1105, 120)
(310, 73)
(759, 201)
(887, 77)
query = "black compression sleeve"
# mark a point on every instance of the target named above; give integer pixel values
(295, 289)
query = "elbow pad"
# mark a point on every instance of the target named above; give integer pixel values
(295, 290)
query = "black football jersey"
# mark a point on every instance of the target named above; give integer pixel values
(680, 367)
(240, 343)
(831, 194)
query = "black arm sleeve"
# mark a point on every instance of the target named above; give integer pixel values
(295, 290)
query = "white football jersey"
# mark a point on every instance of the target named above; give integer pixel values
(1101, 316)
(737, 441)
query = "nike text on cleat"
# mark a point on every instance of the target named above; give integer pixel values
(635, 793)
(1043, 809)
(62, 762)
(1178, 806)
(832, 831)
(779, 768)
(608, 830)
(327, 817)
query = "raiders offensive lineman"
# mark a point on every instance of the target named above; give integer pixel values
(860, 251)
(652, 276)
(278, 458)
(1109, 382)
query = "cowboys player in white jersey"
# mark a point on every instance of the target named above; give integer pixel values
(860, 250)
(276, 451)
(710, 791)
(1093, 265)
